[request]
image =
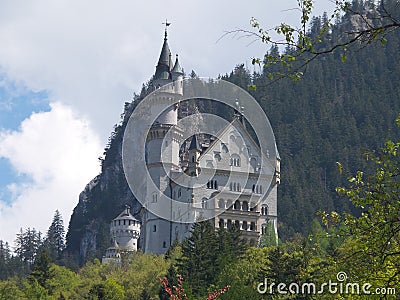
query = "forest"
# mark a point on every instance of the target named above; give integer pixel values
(337, 131)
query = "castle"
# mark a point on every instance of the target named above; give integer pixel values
(235, 174)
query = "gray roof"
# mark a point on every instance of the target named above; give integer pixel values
(126, 215)
(177, 67)
(164, 65)
(194, 144)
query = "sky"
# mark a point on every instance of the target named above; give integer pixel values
(68, 66)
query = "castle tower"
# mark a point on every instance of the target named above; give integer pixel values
(162, 153)
(194, 152)
(124, 231)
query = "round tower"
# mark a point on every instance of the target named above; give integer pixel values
(125, 231)
(162, 151)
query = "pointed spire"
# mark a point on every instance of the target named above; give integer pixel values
(194, 144)
(177, 67)
(164, 62)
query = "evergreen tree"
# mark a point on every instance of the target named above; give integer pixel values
(28, 243)
(268, 238)
(55, 236)
(42, 271)
(199, 253)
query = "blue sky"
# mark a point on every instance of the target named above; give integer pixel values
(16, 104)
(68, 66)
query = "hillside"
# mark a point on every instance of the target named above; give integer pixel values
(336, 112)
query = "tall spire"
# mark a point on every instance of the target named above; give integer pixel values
(177, 67)
(164, 65)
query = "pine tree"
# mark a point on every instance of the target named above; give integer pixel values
(55, 236)
(268, 238)
(28, 243)
(42, 271)
(199, 253)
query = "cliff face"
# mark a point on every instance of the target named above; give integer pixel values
(102, 199)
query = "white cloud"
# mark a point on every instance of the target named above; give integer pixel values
(90, 56)
(58, 152)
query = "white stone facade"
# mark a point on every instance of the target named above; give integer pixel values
(242, 191)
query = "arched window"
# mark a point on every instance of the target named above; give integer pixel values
(204, 203)
(164, 244)
(215, 185)
(245, 206)
(221, 223)
(244, 225)
(264, 210)
(237, 205)
(229, 224)
(252, 226)
(235, 160)
(237, 224)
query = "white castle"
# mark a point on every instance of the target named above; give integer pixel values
(254, 203)
(124, 232)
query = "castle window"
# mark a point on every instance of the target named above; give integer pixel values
(229, 224)
(244, 225)
(236, 206)
(221, 223)
(264, 210)
(164, 244)
(237, 224)
(204, 203)
(154, 228)
(235, 160)
(245, 206)
(252, 226)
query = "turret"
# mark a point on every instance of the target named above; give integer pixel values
(177, 77)
(125, 230)
(194, 152)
